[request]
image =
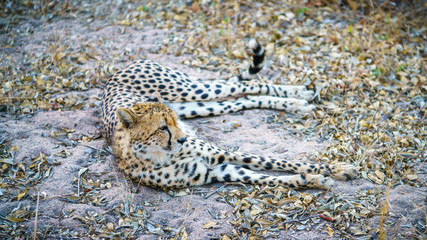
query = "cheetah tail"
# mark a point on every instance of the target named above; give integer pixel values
(258, 57)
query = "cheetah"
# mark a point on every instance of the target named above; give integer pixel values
(141, 105)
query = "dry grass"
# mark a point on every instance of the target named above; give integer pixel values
(35, 220)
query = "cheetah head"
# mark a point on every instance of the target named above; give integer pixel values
(150, 131)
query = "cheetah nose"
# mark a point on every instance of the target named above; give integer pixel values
(182, 140)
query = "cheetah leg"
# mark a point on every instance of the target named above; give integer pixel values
(206, 90)
(254, 87)
(286, 91)
(340, 171)
(234, 173)
(203, 109)
(195, 172)
(215, 156)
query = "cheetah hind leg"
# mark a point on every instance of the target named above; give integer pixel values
(213, 108)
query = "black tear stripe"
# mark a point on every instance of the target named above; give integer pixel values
(170, 137)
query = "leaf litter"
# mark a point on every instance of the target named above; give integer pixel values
(364, 60)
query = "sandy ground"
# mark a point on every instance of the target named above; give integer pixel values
(255, 135)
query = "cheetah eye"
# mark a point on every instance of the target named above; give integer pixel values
(163, 128)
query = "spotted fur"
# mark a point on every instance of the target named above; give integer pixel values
(152, 149)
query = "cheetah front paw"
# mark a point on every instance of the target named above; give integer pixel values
(305, 94)
(306, 109)
(300, 106)
(317, 181)
(343, 171)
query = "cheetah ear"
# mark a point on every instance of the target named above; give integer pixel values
(126, 117)
(154, 97)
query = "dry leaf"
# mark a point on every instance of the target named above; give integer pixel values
(210, 225)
